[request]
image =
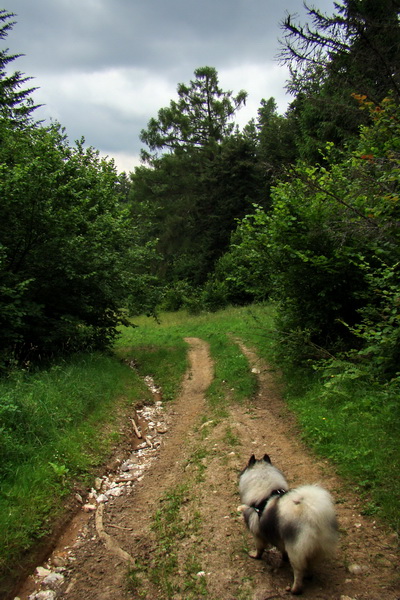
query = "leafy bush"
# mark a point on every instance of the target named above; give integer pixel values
(329, 252)
(67, 254)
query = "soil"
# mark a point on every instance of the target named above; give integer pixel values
(207, 451)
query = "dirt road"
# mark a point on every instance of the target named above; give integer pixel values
(175, 532)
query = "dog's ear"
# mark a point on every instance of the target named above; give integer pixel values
(267, 458)
(252, 461)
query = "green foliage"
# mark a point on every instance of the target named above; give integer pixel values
(70, 256)
(209, 179)
(329, 251)
(243, 273)
(67, 254)
(355, 50)
(16, 104)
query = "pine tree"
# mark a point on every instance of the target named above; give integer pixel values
(16, 105)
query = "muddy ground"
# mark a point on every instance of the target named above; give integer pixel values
(175, 531)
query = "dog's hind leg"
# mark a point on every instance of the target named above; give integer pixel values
(260, 547)
(299, 566)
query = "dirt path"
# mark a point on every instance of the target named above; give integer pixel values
(177, 526)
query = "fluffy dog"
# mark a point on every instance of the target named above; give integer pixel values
(300, 522)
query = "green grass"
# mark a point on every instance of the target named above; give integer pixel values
(357, 428)
(56, 426)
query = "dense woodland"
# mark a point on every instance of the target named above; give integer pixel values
(300, 209)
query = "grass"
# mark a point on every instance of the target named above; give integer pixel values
(357, 428)
(56, 427)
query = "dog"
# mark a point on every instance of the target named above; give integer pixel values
(300, 522)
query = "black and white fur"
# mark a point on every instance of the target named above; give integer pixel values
(300, 522)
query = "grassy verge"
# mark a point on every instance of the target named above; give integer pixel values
(56, 426)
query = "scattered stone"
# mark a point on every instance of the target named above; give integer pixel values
(53, 580)
(42, 571)
(88, 507)
(355, 569)
(79, 498)
(114, 492)
(201, 574)
(127, 465)
(44, 595)
(161, 428)
(101, 498)
(256, 371)
(98, 482)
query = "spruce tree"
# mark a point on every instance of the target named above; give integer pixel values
(16, 104)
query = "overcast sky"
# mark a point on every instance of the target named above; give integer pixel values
(105, 67)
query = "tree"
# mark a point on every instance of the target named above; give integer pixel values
(356, 50)
(204, 179)
(199, 119)
(15, 102)
(67, 256)
(359, 47)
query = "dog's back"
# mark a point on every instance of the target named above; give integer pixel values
(307, 522)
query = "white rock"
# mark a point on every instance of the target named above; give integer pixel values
(127, 465)
(98, 483)
(44, 595)
(53, 579)
(101, 498)
(355, 569)
(114, 492)
(42, 572)
(88, 507)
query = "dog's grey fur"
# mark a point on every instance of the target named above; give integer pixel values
(300, 522)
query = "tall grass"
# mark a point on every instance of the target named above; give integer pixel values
(51, 436)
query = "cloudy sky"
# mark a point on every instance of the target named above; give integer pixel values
(105, 67)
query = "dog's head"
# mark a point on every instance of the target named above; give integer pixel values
(253, 460)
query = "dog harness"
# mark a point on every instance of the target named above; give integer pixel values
(259, 507)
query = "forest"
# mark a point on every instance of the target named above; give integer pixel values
(298, 209)
(299, 212)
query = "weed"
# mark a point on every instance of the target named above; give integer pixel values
(231, 438)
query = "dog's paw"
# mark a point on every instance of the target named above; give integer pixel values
(257, 554)
(242, 508)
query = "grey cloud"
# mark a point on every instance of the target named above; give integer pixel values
(163, 40)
